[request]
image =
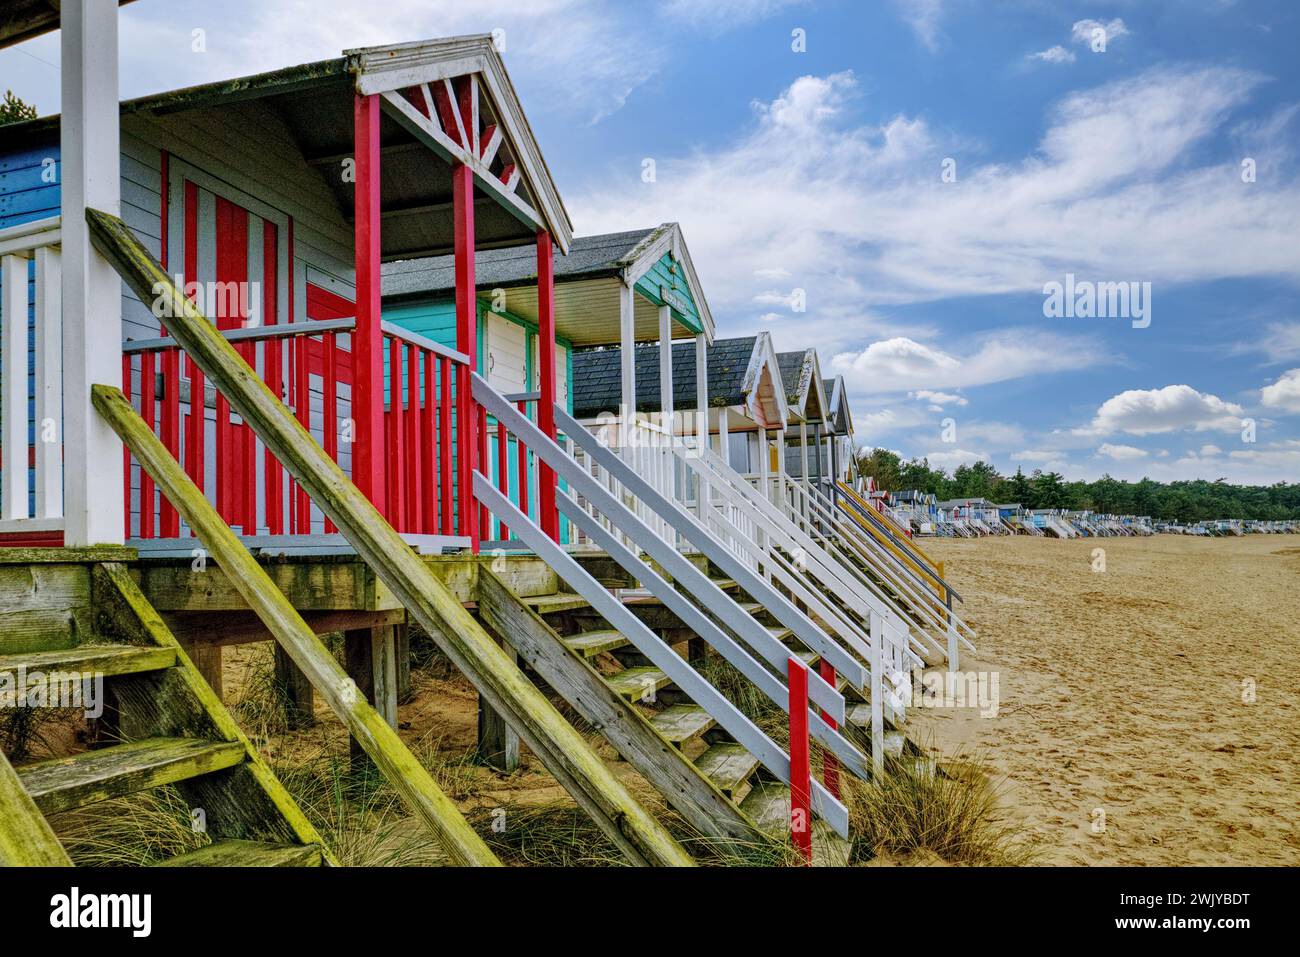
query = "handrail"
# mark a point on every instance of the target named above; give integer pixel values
(25, 237)
(692, 683)
(699, 535)
(285, 330)
(423, 342)
(565, 753)
(377, 738)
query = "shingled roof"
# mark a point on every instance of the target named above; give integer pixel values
(597, 377)
(590, 257)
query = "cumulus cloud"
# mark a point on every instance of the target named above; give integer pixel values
(952, 459)
(858, 215)
(1284, 394)
(1120, 453)
(937, 400)
(1171, 409)
(901, 364)
(924, 17)
(1086, 31)
(1054, 54)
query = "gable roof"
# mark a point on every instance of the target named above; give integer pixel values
(734, 369)
(805, 392)
(587, 282)
(315, 101)
(837, 406)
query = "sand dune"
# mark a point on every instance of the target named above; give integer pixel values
(1123, 691)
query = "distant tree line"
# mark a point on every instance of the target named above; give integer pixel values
(1192, 501)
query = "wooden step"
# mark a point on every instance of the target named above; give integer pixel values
(781, 633)
(726, 584)
(90, 660)
(728, 765)
(248, 854)
(637, 683)
(682, 723)
(768, 806)
(809, 658)
(750, 607)
(559, 601)
(591, 643)
(60, 784)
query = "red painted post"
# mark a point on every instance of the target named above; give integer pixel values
(445, 490)
(547, 513)
(330, 404)
(521, 462)
(273, 475)
(484, 517)
(467, 420)
(126, 452)
(414, 453)
(503, 474)
(397, 451)
(301, 346)
(428, 449)
(800, 761)
(830, 763)
(367, 338)
(147, 381)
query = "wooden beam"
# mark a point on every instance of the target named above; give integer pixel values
(561, 749)
(90, 151)
(368, 466)
(550, 520)
(26, 839)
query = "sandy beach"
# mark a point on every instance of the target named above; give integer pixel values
(1127, 693)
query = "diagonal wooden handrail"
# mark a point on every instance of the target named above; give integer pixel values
(564, 752)
(417, 789)
(26, 839)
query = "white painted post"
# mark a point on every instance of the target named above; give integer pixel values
(780, 470)
(13, 367)
(701, 419)
(666, 460)
(877, 695)
(627, 359)
(92, 292)
(803, 463)
(49, 383)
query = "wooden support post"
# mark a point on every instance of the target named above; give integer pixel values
(627, 361)
(402, 649)
(90, 157)
(498, 744)
(294, 689)
(370, 661)
(467, 419)
(546, 510)
(368, 465)
(702, 418)
(207, 660)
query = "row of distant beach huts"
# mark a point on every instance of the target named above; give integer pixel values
(922, 514)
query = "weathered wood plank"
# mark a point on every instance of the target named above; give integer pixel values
(635, 739)
(248, 854)
(60, 784)
(563, 751)
(26, 839)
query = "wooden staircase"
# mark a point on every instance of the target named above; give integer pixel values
(692, 736)
(165, 728)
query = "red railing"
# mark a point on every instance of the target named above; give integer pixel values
(309, 366)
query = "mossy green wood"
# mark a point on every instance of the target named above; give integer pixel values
(122, 608)
(380, 742)
(564, 752)
(26, 839)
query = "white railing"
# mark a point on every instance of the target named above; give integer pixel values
(31, 378)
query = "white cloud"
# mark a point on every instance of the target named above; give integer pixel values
(1284, 394)
(1085, 31)
(1171, 409)
(923, 17)
(938, 399)
(1120, 453)
(950, 460)
(859, 217)
(723, 14)
(901, 364)
(1055, 54)
(1209, 450)
(1279, 342)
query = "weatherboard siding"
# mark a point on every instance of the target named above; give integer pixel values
(662, 274)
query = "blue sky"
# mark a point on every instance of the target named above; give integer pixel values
(822, 171)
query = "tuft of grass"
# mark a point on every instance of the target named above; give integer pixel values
(918, 807)
(137, 830)
(262, 709)
(557, 834)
